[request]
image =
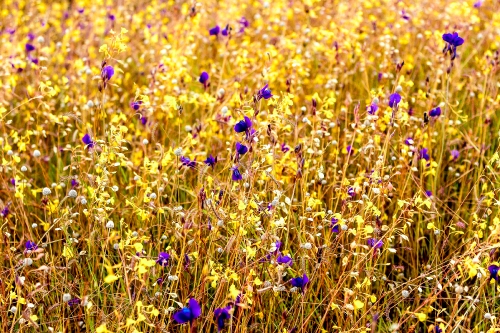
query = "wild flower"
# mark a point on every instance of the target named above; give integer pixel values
(189, 313)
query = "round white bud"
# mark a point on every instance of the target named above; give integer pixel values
(46, 191)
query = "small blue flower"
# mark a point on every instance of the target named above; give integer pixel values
(285, 260)
(187, 162)
(241, 148)
(455, 154)
(493, 272)
(264, 93)
(30, 246)
(221, 315)
(29, 47)
(453, 39)
(107, 73)
(214, 31)
(211, 161)
(436, 112)
(189, 313)
(394, 100)
(243, 125)
(424, 154)
(225, 31)
(87, 140)
(163, 259)
(204, 78)
(335, 225)
(236, 174)
(300, 282)
(377, 244)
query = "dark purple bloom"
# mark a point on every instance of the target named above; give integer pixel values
(348, 149)
(428, 193)
(424, 153)
(264, 93)
(284, 147)
(244, 22)
(377, 244)
(210, 161)
(74, 182)
(31, 36)
(111, 17)
(404, 15)
(225, 31)
(74, 301)
(107, 73)
(241, 148)
(34, 60)
(478, 4)
(285, 260)
(277, 245)
(187, 261)
(372, 109)
(29, 47)
(13, 181)
(5, 211)
(80, 10)
(437, 329)
(335, 225)
(221, 315)
(144, 120)
(214, 31)
(394, 100)
(351, 191)
(409, 142)
(189, 313)
(187, 162)
(436, 112)
(300, 282)
(453, 39)
(493, 272)
(88, 141)
(136, 105)
(243, 125)
(30, 246)
(204, 78)
(455, 154)
(163, 259)
(236, 174)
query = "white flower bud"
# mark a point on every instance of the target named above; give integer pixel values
(66, 297)
(46, 191)
(24, 168)
(110, 225)
(72, 194)
(37, 153)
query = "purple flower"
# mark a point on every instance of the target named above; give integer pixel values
(244, 22)
(284, 147)
(351, 191)
(394, 100)
(210, 161)
(144, 120)
(187, 162)
(285, 260)
(74, 183)
(189, 313)
(452, 42)
(13, 181)
(409, 142)
(455, 154)
(424, 153)
(136, 105)
(436, 112)
(428, 193)
(453, 39)
(478, 4)
(264, 93)
(225, 31)
(335, 225)
(214, 31)
(163, 259)
(221, 315)
(372, 242)
(348, 149)
(300, 282)
(29, 47)
(111, 17)
(107, 73)
(204, 78)
(372, 109)
(30, 246)
(88, 141)
(236, 174)
(74, 301)
(243, 125)
(241, 148)
(5, 211)
(437, 329)
(493, 272)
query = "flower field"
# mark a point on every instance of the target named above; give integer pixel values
(249, 166)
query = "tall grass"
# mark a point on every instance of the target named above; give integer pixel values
(392, 214)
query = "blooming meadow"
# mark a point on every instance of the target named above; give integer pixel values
(249, 166)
